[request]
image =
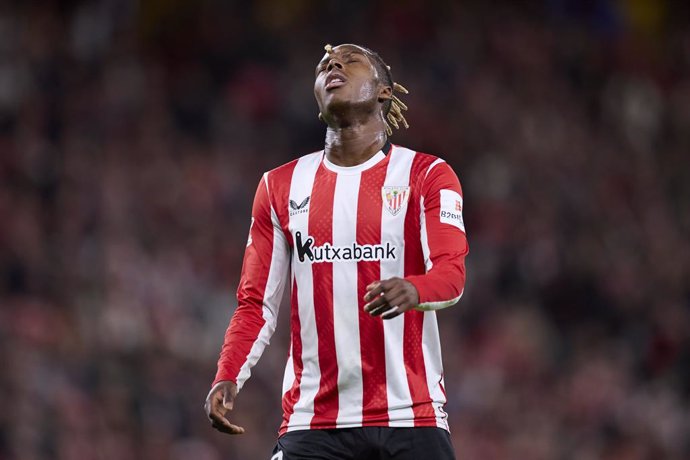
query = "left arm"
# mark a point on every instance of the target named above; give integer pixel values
(445, 247)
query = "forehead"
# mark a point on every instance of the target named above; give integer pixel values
(345, 49)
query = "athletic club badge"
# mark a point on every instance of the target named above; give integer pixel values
(395, 197)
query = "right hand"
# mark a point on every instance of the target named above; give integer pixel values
(218, 403)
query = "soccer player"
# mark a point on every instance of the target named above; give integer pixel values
(370, 240)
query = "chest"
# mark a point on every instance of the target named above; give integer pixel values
(346, 210)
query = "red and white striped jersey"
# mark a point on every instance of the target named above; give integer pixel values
(326, 232)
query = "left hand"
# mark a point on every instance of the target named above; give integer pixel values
(390, 298)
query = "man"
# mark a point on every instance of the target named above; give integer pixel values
(369, 237)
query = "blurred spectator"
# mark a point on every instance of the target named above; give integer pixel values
(132, 137)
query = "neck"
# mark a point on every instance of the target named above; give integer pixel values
(354, 144)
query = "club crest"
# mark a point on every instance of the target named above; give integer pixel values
(395, 197)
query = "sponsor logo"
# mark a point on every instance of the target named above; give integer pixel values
(299, 208)
(329, 253)
(451, 209)
(451, 215)
(395, 197)
(278, 456)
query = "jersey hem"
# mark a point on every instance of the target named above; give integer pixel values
(435, 422)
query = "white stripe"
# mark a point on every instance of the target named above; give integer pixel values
(422, 221)
(436, 162)
(424, 236)
(300, 188)
(393, 229)
(289, 373)
(273, 294)
(431, 349)
(345, 303)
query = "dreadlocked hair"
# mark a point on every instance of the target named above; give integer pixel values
(393, 108)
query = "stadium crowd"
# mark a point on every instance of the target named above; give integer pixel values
(132, 137)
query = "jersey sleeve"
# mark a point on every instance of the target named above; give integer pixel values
(444, 242)
(265, 273)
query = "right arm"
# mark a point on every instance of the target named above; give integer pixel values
(264, 277)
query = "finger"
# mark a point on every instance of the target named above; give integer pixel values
(380, 310)
(222, 424)
(217, 417)
(399, 302)
(375, 290)
(383, 308)
(217, 404)
(217, 408)
(380, 287)
(394, 292)
(375, 304)
(227, 427)
(228, 399)
(385, 301)
(391, 313)
(373, 284)
(214, 405)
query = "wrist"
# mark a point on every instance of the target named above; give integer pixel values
(416, 284)
(222, 383)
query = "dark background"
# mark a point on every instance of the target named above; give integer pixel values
(132, 137)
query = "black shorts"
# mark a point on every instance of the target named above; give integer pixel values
(367, 443)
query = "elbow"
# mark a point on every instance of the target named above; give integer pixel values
(456, 278)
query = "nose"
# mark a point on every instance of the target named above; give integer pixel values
(334, 63)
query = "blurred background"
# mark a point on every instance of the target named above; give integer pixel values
(132, 137)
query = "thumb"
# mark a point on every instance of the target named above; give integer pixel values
(228, 399)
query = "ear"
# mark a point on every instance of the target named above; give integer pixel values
(385, 93)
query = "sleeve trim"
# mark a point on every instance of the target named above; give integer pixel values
(431, 306)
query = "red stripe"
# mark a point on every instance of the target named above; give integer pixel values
(291, 397)
(371, 338)
(321, 229)
(279, 181)
(414, 320)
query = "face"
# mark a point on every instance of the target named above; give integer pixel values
(347, 76)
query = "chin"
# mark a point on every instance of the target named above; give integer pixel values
(335, 104)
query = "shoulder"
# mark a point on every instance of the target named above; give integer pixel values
(283, 173)
(422, 164)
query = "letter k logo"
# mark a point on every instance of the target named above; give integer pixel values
(303, 249)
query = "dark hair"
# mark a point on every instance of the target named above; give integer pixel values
(384, 72)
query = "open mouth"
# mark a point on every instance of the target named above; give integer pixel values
(335, 80)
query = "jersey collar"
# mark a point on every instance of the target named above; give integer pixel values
(375, 159)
